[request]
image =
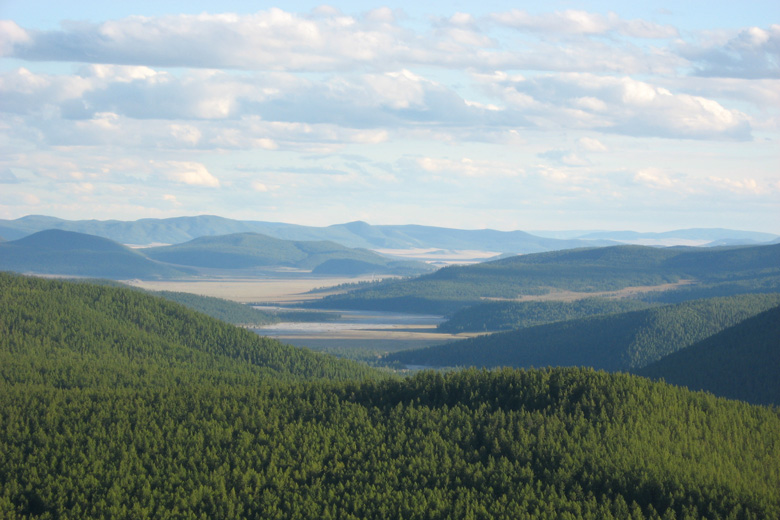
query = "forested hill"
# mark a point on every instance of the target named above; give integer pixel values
(76, 254)
(718, 271)
(541, 444)
(81, 334)
(117, 404)
(621, 341)
(248, 250)
(740, 362)
(509, 315)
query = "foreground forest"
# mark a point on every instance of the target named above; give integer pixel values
(118, 404)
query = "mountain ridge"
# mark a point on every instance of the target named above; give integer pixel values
(60, 252)
(177, 230)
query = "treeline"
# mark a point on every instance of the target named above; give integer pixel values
(622, 341)
(538, 444)
(503, 315)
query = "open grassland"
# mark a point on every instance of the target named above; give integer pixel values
(560, 295)
(250, 290)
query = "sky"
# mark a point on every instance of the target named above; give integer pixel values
(648, 116)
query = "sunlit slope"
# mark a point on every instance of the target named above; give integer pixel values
(612, 342)
(251, 250)
(77, 254)
(64, 333)
(742, 269)
(564, 443)
(741, 362)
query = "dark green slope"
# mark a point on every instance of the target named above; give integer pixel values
(612, 342)
(741, 362)
(497, 316)
(225, 310)
(55, 331)
(249, 250)
(717, 272)
(76, 254)
(509, 444)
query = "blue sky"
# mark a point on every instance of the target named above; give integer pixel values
(507, 115)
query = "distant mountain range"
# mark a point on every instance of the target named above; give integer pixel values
(55, 251)
(362, 235)
(60, 252)
(252, 250)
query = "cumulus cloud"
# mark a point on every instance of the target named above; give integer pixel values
(464, 101)
(11, 36)
(186, 172)
(327, 40)
(752, 53)
(272, 39)
(624, 105)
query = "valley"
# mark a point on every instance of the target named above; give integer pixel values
(279, 289)
(177, 382)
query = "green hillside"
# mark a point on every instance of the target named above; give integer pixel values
(252, 250)
(76, 254)
(740, 362)
(614, 342)
(225, 310)
(242, 314)
(542, 444)
(497, 316)
(78, 334)
(722, 271)
(118, 404)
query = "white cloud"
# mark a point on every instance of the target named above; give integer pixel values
(592, 145)
(583, 23)
(172, 199)
(186, 134)
(186, 172)
(626, 106)
(11, 36)
(746, 185)
(399, 90)
(753, 52)
(655, 178)
(469, 167)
